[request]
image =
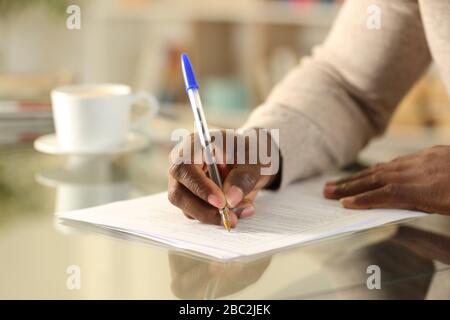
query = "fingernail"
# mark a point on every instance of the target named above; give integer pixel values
(215, 201)
(237, 211)
(247, 212)
(329, 189)
(328, 183)
(347, 202)
(234, 196)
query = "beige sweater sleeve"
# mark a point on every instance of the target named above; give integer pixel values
(329, 106)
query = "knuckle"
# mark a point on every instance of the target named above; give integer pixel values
(397, 166)
(392, 189)
(247, 179)
(178, 171)
(173, 168)
(430, 155)
(376, 179)
(378, 166)
(343, 187)
(174, 155)
(183, 173)
(175, 196)
(200, 190)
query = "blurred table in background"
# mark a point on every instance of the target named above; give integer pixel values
(35, 250)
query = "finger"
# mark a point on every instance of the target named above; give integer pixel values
(406, 157)
(191, 205)
(358, 175)
(252, 195)
(194, 207)
(187, 215)
(195, 180)
(393, 166)
(364, 184)
(240, 181)
(244, 209)
(233, 218)
(390, 196)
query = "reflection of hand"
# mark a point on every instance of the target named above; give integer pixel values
(198, 197)
(426, 244)
(419, 181)
(198, 279)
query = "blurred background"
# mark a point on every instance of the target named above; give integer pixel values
(240, 50)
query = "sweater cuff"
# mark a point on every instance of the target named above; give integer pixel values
(300, 149)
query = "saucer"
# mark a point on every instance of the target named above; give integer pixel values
(49, 144)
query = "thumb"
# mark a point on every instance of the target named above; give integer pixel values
(239, 182)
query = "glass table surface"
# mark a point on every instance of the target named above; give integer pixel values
(38, 253)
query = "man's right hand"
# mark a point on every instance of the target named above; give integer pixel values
(199, 198)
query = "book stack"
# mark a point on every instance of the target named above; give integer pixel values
(25, 108)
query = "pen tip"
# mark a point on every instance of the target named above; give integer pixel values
(225, 218)
(226, 224)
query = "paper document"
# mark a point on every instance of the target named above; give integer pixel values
(295, 215)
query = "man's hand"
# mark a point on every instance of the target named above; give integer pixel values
(191, 278)
(199, 198)
(420, 181)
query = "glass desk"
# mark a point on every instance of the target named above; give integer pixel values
(36, 251)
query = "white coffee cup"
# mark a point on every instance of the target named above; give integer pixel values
(96, 117)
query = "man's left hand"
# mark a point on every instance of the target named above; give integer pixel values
(420, 181)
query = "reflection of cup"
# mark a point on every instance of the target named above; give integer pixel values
(96, 117)
(86, 182)
(73, 197)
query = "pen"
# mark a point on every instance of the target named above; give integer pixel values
(203, 131)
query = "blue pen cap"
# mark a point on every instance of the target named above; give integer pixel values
(188, 73)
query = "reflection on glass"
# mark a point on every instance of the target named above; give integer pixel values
(407, 262)
(85, 182)
(426, 244)
(194, 278)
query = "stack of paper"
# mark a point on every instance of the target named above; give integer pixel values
(295, 215)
